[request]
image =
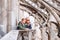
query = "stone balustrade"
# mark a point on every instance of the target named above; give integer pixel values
(12, 35)
(17, 34)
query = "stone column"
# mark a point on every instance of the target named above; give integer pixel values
(0, 12)
(14, 14)
(9, 10)
(4, 15)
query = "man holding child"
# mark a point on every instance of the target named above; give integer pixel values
(24, 24)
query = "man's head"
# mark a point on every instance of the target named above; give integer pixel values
(27, 20)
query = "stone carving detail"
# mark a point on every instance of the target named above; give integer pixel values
(45, 11)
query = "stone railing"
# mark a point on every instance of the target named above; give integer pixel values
(12, 35)
(25, 35)
(17, 35)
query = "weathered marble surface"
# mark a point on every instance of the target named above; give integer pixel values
(12, 35)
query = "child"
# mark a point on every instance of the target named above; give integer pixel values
(21, 24)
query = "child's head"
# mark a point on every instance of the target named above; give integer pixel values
(23, 20)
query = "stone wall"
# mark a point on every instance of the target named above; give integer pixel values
(8, 14)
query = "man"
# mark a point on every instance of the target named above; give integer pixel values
(28, 23)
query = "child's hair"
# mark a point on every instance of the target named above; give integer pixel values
(23, 19)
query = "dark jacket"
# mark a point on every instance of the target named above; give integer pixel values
(29, 26)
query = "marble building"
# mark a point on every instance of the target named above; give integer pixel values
(40, 12)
